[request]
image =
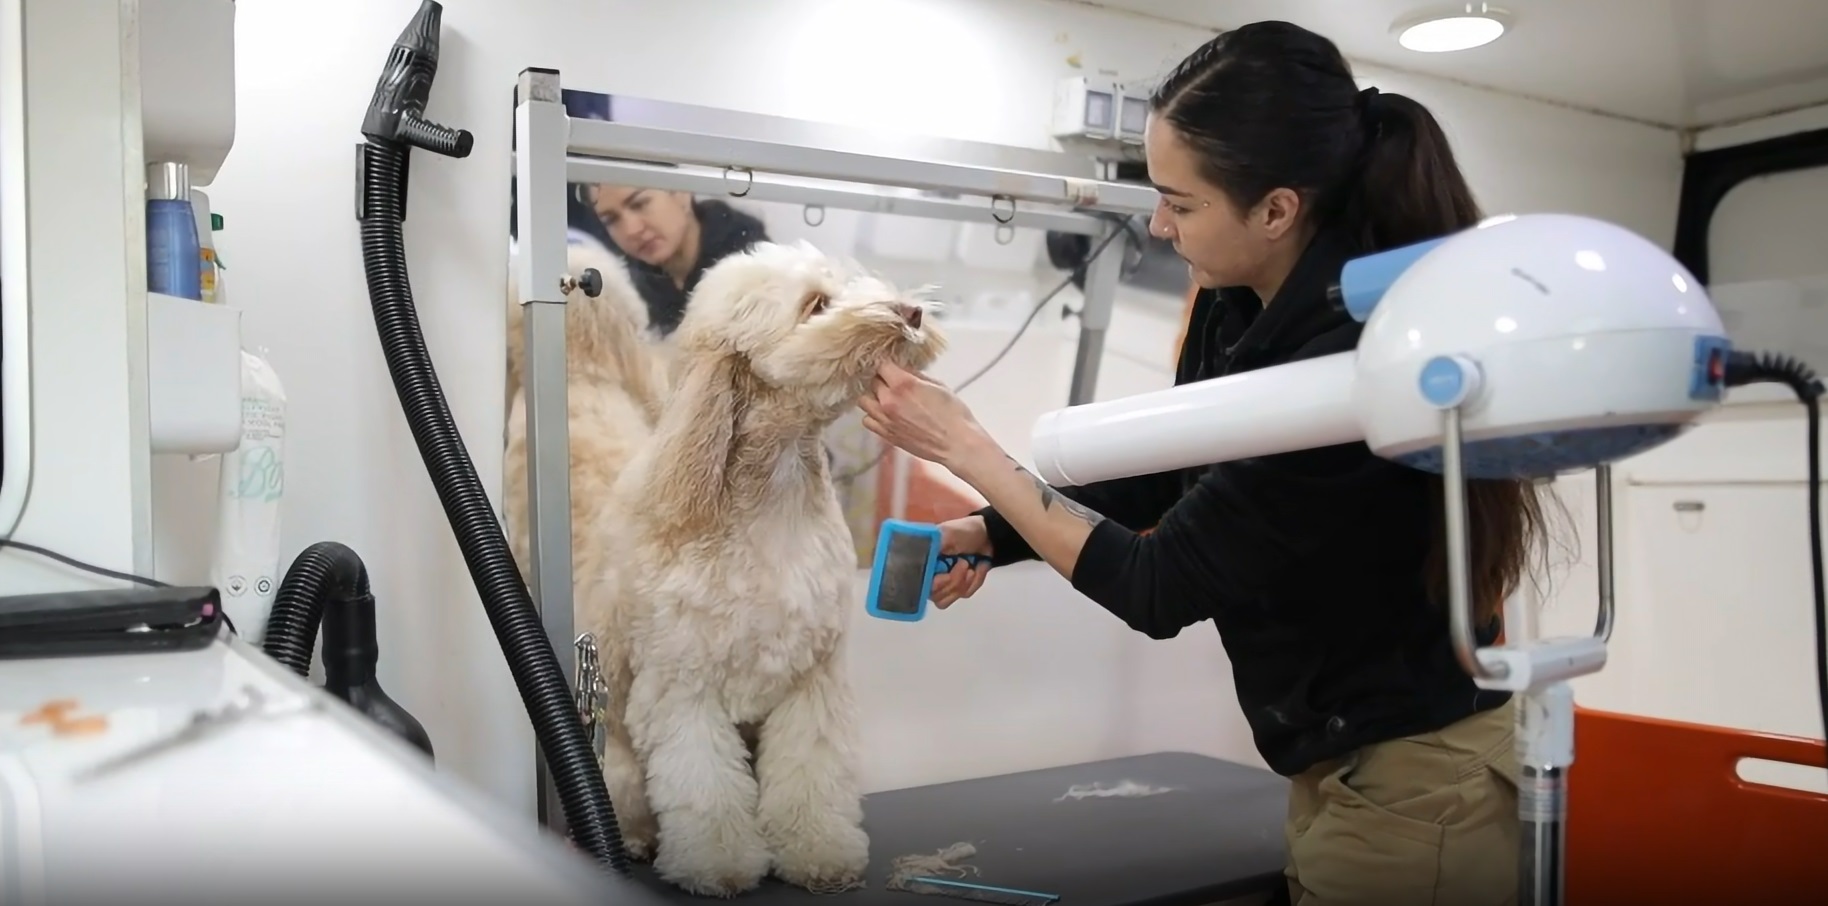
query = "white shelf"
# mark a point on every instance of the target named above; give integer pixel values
(194, 375)
(187, 83)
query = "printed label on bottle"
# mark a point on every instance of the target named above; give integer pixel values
(263, 426)
(206, 275)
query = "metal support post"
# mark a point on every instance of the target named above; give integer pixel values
(1538, 673)
(1545, 751)
(1602, 504)
(541, 131)
(1101, 276)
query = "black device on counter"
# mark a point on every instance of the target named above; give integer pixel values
(109, 621)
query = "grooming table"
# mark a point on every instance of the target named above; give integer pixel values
(1216, 837)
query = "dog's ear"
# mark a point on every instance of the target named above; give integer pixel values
(692, 451)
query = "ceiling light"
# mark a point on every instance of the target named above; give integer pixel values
(1461, 27)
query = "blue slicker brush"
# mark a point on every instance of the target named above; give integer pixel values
(907, 560)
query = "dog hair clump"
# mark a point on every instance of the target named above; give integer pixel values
(724, 580)
(943, 863)
(1128, 789)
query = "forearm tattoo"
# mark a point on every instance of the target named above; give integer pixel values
(1051, 498)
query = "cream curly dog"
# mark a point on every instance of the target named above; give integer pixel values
(723, 608)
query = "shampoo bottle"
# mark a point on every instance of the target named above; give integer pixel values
(173, 252)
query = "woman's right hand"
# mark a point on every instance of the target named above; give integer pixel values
(964, 535)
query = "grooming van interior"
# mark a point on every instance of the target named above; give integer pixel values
(320, 413)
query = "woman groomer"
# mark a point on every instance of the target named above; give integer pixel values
(670, 238)
(1323, 569)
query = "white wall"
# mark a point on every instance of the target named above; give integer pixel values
(89, 494)
(1029, 676)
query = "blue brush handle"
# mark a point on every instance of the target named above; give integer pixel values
(947, 561)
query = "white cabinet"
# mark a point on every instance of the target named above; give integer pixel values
(1721, 624)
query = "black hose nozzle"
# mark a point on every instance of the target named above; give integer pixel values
(327, 586)
(396, 113)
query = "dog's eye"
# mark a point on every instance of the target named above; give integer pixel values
(814, 303)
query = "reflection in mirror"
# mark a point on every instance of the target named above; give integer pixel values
(1005, 293)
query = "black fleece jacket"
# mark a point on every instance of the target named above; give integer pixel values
(724, 231)
(1309, 563)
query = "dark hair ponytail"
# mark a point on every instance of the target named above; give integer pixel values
(1272, 105)
(1408, 187)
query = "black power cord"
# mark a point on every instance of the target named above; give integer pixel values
(1743, 368)
(70, 561)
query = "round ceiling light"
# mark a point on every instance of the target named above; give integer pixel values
(1463, 27)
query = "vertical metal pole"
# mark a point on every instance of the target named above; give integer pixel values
(1602, 503)
(1095, 318)
(1545, 750)
(1545, 717)
(1459, 570)
(541, 137)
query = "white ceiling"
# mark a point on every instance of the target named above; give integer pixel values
(1670, 62)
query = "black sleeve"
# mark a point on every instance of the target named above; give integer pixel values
(1135, 503)
(1230, 540)
(1234, 537)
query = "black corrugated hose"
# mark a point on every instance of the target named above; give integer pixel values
(1742, 368)
(394, 124)
(325, 568)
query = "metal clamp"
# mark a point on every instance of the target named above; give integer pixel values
(592, 693)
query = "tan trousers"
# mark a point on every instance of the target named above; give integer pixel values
(1429, 819)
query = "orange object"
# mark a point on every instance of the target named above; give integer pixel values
(1657, 813)
(50, 712)
(56, 715)
(81, 726)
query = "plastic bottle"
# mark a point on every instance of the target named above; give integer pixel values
(249, 492)
(173, 257)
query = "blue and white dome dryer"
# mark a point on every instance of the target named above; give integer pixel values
(1564, 342)
(1561, 342)
(901, 576)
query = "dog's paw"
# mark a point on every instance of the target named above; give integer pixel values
(721, 865)
(831, 859)
(638, 842)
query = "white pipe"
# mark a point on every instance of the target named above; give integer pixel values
(1296, 406)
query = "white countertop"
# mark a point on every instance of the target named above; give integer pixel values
(314, 804)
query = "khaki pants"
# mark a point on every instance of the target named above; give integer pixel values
(1429, 819)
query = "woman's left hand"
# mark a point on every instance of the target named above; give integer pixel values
(919, 415)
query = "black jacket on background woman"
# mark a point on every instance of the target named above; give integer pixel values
(723, 231)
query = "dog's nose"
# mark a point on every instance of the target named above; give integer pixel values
(910, 313)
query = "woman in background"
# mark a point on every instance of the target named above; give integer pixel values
(1323, 570)
(669, 239)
